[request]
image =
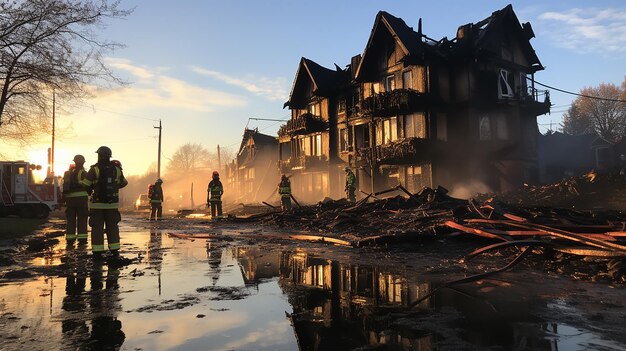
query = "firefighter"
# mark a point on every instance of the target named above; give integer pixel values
(77, 202)
(284, 190)
(214, 195)
(105, 178)
(156, 200)
(350, 185)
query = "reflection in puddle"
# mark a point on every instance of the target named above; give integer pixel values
(203, 295)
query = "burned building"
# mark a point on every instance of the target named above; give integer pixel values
(422, 112)
(256, 167)
(308, 141)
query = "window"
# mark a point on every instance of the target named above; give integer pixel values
(502, 130)
(484, 128)
(390, 130)
(314, 109)
(343, 139)
(376, 88)
(342, 105)
(317, 145)
(505, 82)
(407, 80)
(390, 83)
(523, 84)
(414, 126)
(305, 146)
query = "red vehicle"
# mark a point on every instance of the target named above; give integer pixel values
(22, 196)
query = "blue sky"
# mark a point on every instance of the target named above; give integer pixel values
(205, 67)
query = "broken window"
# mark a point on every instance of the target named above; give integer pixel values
(505, 82)
(407, 80)
(417, 177)
(390, 83)
(414, 126)
(484, 127)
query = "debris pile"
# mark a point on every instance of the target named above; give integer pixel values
(433, 214)
(589, 191)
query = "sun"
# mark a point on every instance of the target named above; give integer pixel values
(62, 160)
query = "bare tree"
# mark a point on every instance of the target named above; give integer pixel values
(46, 46)
(190, 157)
(605, 116)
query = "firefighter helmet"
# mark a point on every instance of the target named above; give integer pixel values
(79, 159)
(104, 151)
(284, 177)
(347, 169)
(159, 180)
(216, 174)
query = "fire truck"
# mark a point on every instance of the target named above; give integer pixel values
(22, 196)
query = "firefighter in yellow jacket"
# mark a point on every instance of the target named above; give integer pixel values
(105, 178)
(76, 202)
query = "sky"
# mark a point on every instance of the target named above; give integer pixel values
(204, 68)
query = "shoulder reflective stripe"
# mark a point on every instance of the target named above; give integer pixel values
(97, 248)
(96, 171)
(118, 175)
(103, 206)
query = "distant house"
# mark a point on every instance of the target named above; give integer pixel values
(420, 112)
(256, 167)
(563, 156)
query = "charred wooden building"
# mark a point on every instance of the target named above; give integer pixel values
(256, 166)
(308, 142)
(422, 112)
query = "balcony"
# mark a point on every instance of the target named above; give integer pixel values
(302, 163)
(408, 150)
(530, 100)
(395, 102)
(303, 124)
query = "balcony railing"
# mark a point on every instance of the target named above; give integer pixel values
(303, 124)
(302, 163)
(407, 150)
(391, 103)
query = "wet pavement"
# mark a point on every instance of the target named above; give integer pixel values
(246, 294)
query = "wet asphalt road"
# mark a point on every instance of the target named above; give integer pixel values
(245, 294)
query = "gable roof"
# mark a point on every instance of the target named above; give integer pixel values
(257, 138)
(325, 81)
(409, 41)
(485, 34)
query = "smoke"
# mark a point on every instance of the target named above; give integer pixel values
(468, 189)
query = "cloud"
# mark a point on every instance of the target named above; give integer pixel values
(153, 88)
(586, 30)
(271, 89)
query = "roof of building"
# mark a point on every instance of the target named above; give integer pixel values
(325, 81)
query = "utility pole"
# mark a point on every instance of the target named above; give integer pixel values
(51, 173)
(219, 159)
(160, 128)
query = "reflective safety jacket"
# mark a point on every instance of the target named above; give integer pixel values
(284, 188)
(215, 191)
(156, 195)
(105, 179)
(350, 180)
(74, 186)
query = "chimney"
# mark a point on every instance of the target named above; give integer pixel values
(464, 31)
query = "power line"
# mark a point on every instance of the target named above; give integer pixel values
(117, 113)
(576, 94)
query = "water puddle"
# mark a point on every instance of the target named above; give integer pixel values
(204, 295)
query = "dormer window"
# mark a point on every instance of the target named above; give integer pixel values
(505, 83)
